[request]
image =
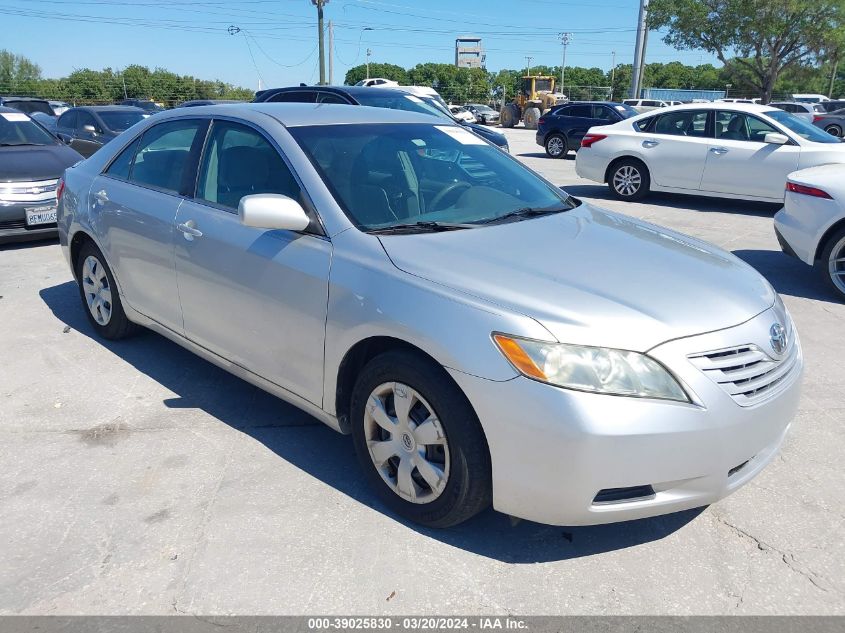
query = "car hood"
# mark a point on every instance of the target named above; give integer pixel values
(495, 137)
(27, 163)
(592, 277)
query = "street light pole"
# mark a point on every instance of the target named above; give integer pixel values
(369, 52)
(320, 4)
(612, 74)
(331, 53)
(639, 50)
(564, 38)
(528, 58)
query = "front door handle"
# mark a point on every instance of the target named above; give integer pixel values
(189, 230)
(650, 143)
(719, 150)
(102, 197)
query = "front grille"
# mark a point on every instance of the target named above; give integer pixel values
(747, 373)
(31, 191)
(12, 224)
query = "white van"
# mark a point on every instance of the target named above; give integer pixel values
(809, 98)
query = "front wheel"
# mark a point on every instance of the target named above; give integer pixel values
(629, 179)
(419, 440)
(832, 262)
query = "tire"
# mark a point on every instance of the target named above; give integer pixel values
(508, 116)
(834, 249)
(834, 130)
(455, 445)
(531, 116)
(628, 179)
(99, 295)
(556, 145)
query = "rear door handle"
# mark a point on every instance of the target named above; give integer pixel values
(189, 230)
(719, 150)
(650, 143)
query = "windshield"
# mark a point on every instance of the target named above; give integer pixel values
(386, 175)
(483, 108)
(411, 103)
(542, 84)
(119, 121)
(29, 106)
(801, 127)
(16, 128)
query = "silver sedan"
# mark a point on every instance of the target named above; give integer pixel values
(483, 336)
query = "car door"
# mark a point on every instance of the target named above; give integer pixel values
(739, 162)
(674, 147)
(255, 297)
(66, 126)
(134, 203)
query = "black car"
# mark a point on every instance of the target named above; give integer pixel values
(87, 128)
(392, 98)
(31, 162)
(204, 102)
(831, 106)
(562, 128)
(833, 122)
(27, 104)
(150, 107)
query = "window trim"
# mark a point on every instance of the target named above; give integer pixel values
(316, 227)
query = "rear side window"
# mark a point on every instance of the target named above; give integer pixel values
(163, 154)
(643, 124)
(330, 97)
(238, 161)
(121, 165)
(68, 120)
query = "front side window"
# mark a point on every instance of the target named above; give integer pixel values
(68, 120)
(238, 162)
(163, 154)
(384, 175)
(86, 119)
(604, 113)
(738, 126)
(583, 111)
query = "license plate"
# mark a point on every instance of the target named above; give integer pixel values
(41, 215)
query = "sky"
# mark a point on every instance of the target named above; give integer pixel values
(275, 40)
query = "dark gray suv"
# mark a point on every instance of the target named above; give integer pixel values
(86, 129)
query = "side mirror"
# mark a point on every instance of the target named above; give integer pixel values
(776, 139)
(89, 128)
(272, 211)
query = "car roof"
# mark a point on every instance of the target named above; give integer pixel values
(716, 105)
(14, 98)
(386, 91)
(108, 108)
(305, 114)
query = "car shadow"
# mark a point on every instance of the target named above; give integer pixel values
(303, 441)
(569, 156)
(788, 275)
(682, 201)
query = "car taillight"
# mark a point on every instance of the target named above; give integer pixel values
(589, 139)
(541, 120)
(60, 189)
(817, 117)
(807, 191)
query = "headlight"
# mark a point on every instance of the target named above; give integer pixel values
(595, 369)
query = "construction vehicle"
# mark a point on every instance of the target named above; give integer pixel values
(536, 96)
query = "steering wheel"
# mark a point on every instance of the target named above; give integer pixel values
(450, 188)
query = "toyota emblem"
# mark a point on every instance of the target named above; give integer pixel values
(778, 338)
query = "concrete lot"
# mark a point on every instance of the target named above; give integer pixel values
(137, 478)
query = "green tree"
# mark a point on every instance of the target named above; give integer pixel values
(767, 36)
(386, 71)
(17, 73)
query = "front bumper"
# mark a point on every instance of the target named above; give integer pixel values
(13, 226)
(554, 450)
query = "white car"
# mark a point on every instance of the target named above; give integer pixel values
(377, 81)
(646, 105)
(728, 150)
(461, 113)
(800, 109)
(811, 225)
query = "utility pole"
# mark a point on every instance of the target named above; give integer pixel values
(528, 58)
(369, 52)
(564, 38)
(833, 78)
(612, 74)
(639, 50)
(320, 4)
(331, 53)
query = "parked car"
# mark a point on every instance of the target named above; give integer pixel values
(150, 107)
(831, 122)
(27, 104)
(47, 121)
(562, 128)
(754, 101)
(800, 109)
(646, 105)
(728, 150)
(392, 98)
(484, 114)
(811, 225)
(832, 105)
(377, 81)
(59, 107)
(363, 249)
(461, 113)
(200, 102)
(810, 98)
(31, 162)
(87, 128)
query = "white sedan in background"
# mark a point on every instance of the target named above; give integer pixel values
(461, 113)
(728, 150)
(811, 225)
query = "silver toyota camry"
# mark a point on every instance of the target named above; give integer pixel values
(483, 336)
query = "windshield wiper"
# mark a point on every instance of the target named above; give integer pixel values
(527, 212)
(425, 226)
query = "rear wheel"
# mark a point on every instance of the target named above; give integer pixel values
(628, 179)
(419, 441)
(556, 145)
(100, 296)
(834, 130)
(832, 262)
